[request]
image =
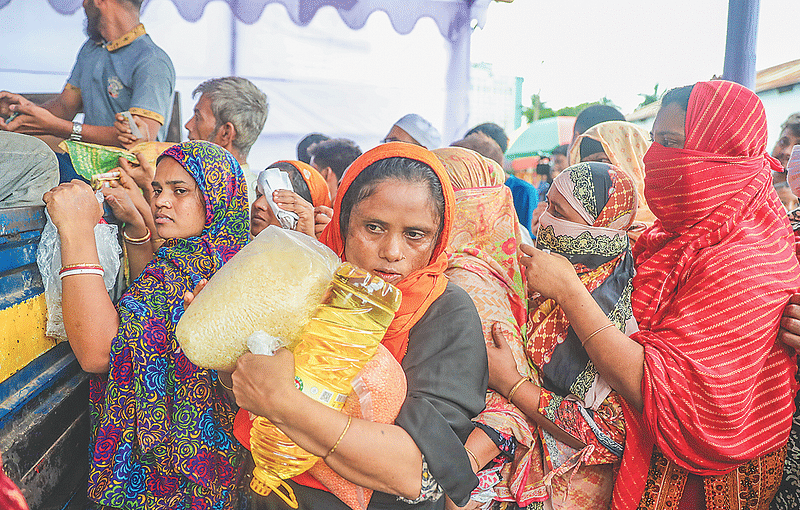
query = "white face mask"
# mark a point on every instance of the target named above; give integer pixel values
(793, 170)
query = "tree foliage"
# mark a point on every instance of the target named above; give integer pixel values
(649, 98)
(538, 110)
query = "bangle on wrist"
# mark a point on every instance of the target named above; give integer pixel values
(141, 240)
(515, 388)
(341, 436)
(80, 270)
(472, 455)
(598, 330)
(80, 265)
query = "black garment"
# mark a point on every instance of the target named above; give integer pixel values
(447, 373)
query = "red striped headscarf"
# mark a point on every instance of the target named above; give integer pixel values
(713, 275)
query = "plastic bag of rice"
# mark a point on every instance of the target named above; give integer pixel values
(273, 285)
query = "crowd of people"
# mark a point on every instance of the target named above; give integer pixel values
(617, 332)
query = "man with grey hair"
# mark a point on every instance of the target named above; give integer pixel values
(231, 113)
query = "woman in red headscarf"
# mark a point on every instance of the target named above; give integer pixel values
(393, 215)
(708, 392)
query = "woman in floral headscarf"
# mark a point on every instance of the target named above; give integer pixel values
(162, 427)
(483, 260)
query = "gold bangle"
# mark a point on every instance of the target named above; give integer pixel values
(219, 379)
(74, 266)
(333, 448)
(515, 388)
(469, 452)
(140, 240)
(609, 325)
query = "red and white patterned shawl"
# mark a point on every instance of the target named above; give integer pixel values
(713, 275)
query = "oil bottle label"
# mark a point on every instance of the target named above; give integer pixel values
(319, 391)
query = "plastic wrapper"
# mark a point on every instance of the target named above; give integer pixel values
(48, 258)
(272, 285)
(90, 159)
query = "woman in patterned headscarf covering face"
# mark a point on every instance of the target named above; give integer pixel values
(591, 205)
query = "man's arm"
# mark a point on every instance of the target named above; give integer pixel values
(55, 118)
(67, 104)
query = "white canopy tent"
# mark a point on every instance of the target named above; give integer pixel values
(345, 68)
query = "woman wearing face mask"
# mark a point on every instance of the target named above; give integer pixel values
(392, 217)
(591, 206)
(707, 392)
(623, 145)
(161, 427)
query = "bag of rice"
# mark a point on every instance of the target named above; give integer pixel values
(273, 285)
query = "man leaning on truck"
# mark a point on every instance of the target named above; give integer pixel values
(119, 68)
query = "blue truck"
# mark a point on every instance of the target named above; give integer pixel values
(44, 411)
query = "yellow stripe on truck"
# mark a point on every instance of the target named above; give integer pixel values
(22, 335)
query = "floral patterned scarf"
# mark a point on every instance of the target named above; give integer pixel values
(483, 260)
(162, 430)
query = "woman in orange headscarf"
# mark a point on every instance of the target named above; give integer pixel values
(393, 215)
(309, 195)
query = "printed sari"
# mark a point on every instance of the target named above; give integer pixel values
(483, 260)
(161, 428)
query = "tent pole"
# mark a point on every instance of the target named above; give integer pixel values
(456, 115)
(233, 44)
(740, 45)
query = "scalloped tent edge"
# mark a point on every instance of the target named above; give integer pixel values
(403, 15)
(452, 17)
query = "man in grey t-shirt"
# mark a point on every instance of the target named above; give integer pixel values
(118, 69)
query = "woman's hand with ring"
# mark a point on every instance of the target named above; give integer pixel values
(549, 274)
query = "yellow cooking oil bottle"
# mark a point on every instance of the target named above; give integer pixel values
(342, 336)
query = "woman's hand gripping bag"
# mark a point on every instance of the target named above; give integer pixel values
(273, 285)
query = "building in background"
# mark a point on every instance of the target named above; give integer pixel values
(494, 98)
(777, 86)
